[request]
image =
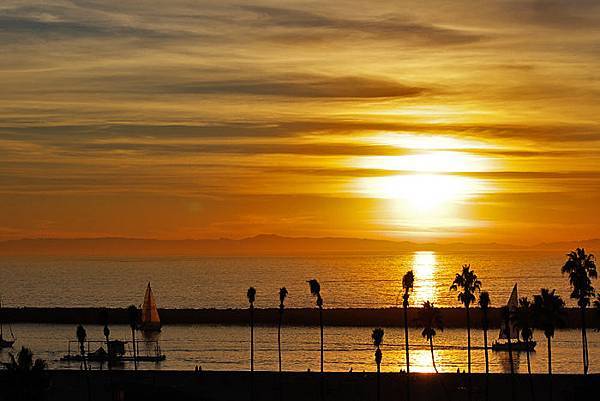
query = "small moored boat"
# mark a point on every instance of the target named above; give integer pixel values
(508, 337)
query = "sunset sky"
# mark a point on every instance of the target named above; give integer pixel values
(425, 121)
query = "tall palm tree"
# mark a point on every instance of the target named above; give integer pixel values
(132, 316)
(549, 310)
(522, 319)
(581, 268)
(484, 304)
(251, 295)
(315, 290)
(377, 337)
(467, 284)
(430, 319)
(408, 281)
(283, 293)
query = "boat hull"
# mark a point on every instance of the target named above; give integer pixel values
(517, 346)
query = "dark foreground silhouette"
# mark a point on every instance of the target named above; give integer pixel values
(235, 386)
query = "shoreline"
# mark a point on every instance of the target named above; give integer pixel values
(453, 317)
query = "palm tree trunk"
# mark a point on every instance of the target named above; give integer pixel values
(529, 372)
(251, 339)
(134, 349)
(378, 382)
(432, 355)
(469, 353)
(584, 342)
(279, 340)
(108, 353)
(550, 365)
(407, 352)
(322, 340)
(487, 363)
(321, 383)
(279, 354)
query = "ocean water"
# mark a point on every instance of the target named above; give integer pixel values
(359, 281)
(228, 348)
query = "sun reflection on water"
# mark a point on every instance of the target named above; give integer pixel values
(424, 267)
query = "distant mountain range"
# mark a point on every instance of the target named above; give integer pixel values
(260, 245)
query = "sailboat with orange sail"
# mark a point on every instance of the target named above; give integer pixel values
(149, 319)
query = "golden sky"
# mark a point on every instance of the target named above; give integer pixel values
(416, 120)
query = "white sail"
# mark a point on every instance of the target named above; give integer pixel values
(149, 311)
(512, 304)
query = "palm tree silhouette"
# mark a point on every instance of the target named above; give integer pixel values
(377, 337)
(430, 319)
(522, 319)
(315, 290)
(106, 331)
(408, 281)
(283, 293)
(25, 379)
(468, 283)
(251, 295)
(81, 337)
(484, 304)
(581, 268)
(132, 315)
(548, 313)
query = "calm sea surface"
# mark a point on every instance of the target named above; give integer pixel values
(362, 281)
(365, 281)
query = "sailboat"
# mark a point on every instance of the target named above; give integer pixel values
(150, 321)
(511, 333)
(4, 343)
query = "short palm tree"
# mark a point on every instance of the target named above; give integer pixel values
(106, 331)
(81, 338)
(283, 293)
(132, 316)
(24, 378)
(251, 295)
(522, 319)
(581, 268)
(377, 337)
(548, 314)
(315, 290)
(467, 284)
(430, 319)
(484, 304)
(408, 281)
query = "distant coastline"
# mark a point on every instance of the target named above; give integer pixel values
(260, 245)
(358, 317)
